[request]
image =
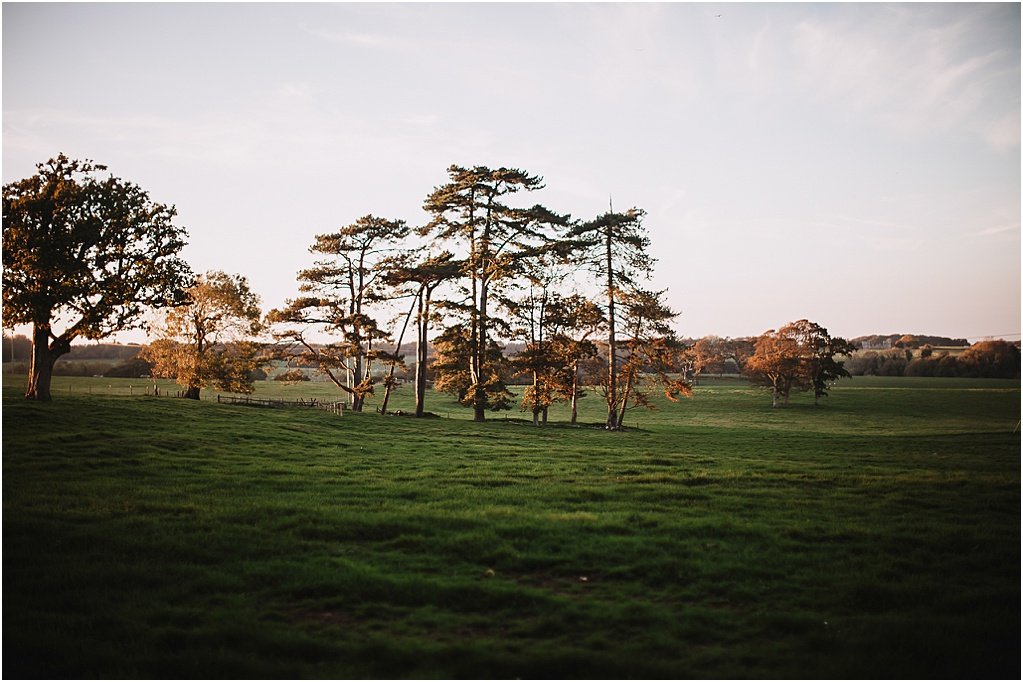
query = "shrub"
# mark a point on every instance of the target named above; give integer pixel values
(132, 369)
(292, 375)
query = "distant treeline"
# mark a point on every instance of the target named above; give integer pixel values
(912, 357)
(19, 348)
(986, 359)
(906, 341)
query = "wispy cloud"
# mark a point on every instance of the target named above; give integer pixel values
(1004, 230)
(916, 72)
(218, 139)
(371, 40)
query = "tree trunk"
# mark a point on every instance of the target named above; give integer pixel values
(544, 416)
(192, 393)
(479, 398)
(536, 399)
(394, 361)
(40, 374)
(774, 397)
(575, 391)
(612, 392)
(479, 413)
(421, 352)
(625, 402)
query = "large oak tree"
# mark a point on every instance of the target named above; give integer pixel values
(84, 256)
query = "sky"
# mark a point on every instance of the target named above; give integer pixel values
(854, 164)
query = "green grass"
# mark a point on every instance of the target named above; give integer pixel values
(875, 536)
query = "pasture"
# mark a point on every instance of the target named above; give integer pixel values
(875, 536)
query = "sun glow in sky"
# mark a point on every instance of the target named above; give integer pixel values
(854, 164)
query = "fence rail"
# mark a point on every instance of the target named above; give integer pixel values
(329, 406)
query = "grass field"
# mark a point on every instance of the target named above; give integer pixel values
(875, 536)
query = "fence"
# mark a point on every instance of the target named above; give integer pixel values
(329, 406)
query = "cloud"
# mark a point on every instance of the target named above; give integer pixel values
(916, 71)
(217, 138)
(349, 38)
(1000, 230)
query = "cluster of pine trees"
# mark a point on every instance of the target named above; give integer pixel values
(482, 271)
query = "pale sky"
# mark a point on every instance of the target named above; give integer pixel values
(854, 164)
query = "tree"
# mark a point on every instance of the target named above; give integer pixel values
(453, 348)
(533, 323)
(204, 342)
(470, 210)
(424, 277)
(819, 351)
(799, 356)
(574, 320)
(720, 355)
(342, 286)
(776, 363)
(84, 257)
(17, 348)
(652, 354)
(615, 247)
(708, 354)
(993, 359)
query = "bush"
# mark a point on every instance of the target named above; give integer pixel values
(292, 375)
(132, 369)
(74, 368)
(888, 363)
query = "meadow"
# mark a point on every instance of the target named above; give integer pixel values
(875, 536)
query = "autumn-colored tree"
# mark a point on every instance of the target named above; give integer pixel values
(717, 355)
(576, 319)
(206, 341)
(84, 257)
(532, 322)
(799, 356)
(908, 341)
(708, 354)
(653, 356)
(471, 210)
(615, 248)
(340, 289)
(453, 348)
(997, 359)
(777, 364)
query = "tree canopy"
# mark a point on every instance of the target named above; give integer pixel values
(205, 341)
(84, 256)
(339, 289)
(799, 356)
(472, 213)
